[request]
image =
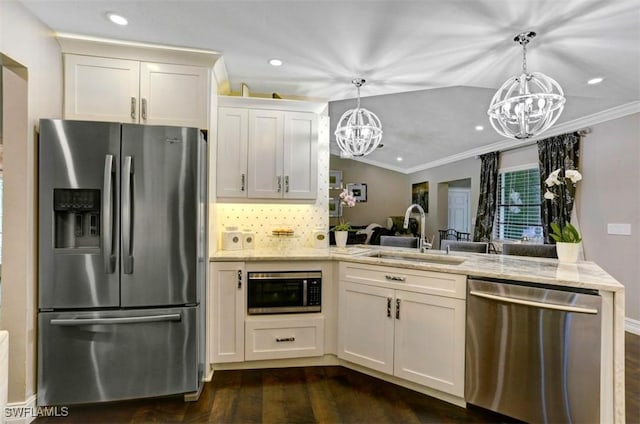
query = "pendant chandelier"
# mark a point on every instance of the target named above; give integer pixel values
(528, 104)
(359, 131)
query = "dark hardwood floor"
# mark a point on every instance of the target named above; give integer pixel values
(312, 395)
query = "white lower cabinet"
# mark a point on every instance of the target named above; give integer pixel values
(283, 337)
(227, 306)
(399, 328)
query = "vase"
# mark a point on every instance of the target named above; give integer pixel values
(341, 238)
(567, 252)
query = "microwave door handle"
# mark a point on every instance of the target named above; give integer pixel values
(305, 301)
(127, 258)
(107, 216)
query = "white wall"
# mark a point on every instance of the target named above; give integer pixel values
(388, 192)
(27, 41)
(610, 193)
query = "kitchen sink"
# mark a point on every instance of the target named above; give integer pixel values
(417, 257)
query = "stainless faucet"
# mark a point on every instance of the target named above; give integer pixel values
(422, 243)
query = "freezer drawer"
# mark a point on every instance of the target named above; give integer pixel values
(102, 356)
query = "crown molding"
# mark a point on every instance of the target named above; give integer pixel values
(509, 144)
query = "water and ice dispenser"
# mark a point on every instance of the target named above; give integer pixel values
(77, 218)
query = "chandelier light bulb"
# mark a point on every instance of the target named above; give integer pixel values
(528, 104)
(359, 131)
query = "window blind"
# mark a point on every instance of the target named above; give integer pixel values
(518, 211)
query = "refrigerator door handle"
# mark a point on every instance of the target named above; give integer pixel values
(127, 258)
(107, 220)
(74, 322)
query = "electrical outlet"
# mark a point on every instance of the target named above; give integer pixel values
(619, 229)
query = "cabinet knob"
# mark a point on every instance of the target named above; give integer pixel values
(279, 183)
(239, 279)
(242, 182)
(286, 184)
(397, 308)
(388, 307)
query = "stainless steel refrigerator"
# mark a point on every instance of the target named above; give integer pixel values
(122, 257)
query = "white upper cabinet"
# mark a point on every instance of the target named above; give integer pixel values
(231, 167)
(266, 138)
(173, 95)
(266, 153)
(300, 155)
(101, 89)
(108, 89)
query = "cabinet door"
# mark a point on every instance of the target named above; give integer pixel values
(173, 95)
(300, 155)
(231, 161)
(101, 89)
(365, 326)
(429, 341)
(227, 282)
(265, 154)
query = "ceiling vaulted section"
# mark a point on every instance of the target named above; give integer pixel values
(432, 66)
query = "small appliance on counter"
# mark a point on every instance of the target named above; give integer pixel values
(320, 239)
(231, 239)
(248, 239)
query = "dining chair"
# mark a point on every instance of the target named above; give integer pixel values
(399, 241)
(465, 246)
(539, 250)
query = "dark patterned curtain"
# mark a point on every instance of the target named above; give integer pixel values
(488, 195)
(559, 152)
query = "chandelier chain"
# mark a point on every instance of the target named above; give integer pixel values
(524, 58)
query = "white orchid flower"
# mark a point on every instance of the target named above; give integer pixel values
(573, 175)
(553, 179)
(347, 198)
(549, 196)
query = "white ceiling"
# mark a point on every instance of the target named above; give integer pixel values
(431, 66)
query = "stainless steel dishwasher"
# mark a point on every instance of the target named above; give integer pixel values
(533, 351)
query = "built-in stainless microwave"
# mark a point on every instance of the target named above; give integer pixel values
(283, 292)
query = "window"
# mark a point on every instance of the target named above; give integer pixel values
(518, 211)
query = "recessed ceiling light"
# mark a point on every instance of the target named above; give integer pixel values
(117, 19)
(479, 127)
(597, 80)
(399, 159)
(275, 62)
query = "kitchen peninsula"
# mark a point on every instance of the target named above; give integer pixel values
(393, 273)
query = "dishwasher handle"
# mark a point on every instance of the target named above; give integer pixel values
(556, 307)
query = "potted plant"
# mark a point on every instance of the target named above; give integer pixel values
(567, 241)
(567, 237)
(341, 230)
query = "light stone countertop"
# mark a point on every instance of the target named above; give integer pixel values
(582, 274)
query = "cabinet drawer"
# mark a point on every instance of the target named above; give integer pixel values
(290, 337)
(437, 283)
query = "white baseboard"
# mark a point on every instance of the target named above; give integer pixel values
(21, 412)
(632, 326)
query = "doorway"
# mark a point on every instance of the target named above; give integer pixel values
(13, 155)
(459, 216)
